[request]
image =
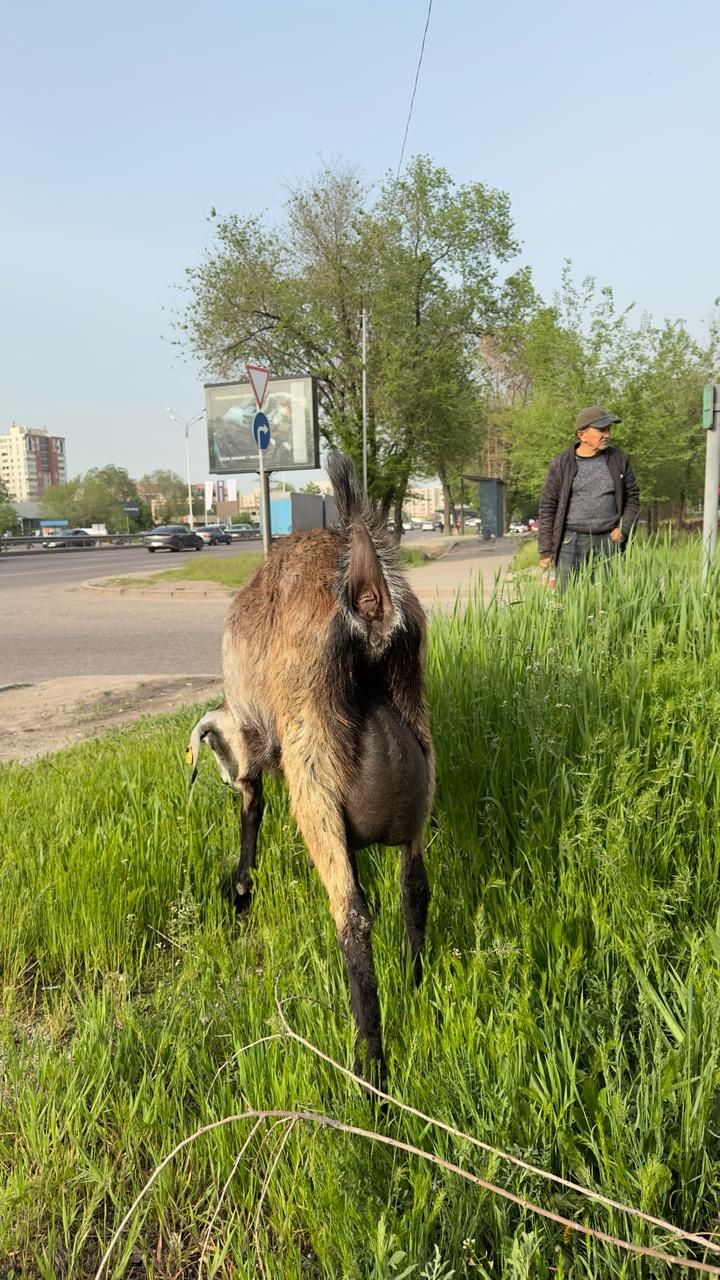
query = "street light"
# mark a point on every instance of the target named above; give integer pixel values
(187, 423)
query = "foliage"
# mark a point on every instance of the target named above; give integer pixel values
(581, 350)
(422, 260)
(570, 1008)
(172, 489)
(96, 497)
(9, 519)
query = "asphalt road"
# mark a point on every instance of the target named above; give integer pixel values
(53, 568)
(49, 627)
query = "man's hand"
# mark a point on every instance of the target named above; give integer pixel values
(545, 562)
(617, 535)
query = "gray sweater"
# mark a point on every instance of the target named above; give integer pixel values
(592, 507)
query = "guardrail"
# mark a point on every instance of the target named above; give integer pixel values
(29, 544)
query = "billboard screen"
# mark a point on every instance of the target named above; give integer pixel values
(291, 408)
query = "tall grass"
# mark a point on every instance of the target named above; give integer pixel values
(570, 1010)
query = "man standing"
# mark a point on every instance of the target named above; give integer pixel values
(590, 499)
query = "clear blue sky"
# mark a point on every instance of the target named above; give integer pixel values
(124, 124)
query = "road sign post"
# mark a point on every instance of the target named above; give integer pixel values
(261, 431)
(711, 422)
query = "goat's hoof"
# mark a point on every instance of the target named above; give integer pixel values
(242, 897)
(310, 863)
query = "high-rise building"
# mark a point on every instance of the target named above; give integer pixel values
(31, 461)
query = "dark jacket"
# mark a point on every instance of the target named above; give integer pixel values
(555, 496)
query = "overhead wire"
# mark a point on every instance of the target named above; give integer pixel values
(412, 100)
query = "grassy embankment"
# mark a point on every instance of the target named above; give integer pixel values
(234, 571)
(570, 1010)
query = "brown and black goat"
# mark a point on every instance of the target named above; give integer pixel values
(323, 665)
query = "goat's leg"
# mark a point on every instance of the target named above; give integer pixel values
(415, 900)
(320, 817)
(253, 805)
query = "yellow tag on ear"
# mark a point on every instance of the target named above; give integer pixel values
(188, 756)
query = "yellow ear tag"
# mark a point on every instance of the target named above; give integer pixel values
(188, 756)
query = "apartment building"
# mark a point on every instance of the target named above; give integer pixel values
(31, 460)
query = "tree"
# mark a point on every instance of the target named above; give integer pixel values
(311, 487)
(9, 520)
(172, 489)
(581, 350)
(423, 261)
(96, 497)
(4, 491)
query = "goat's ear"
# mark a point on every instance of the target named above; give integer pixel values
(367, 589)
(214, 728)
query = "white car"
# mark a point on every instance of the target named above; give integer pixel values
(427, 526)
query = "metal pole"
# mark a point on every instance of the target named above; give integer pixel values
(189, 485)
(364, 401)
(264, 503)
(712, 475)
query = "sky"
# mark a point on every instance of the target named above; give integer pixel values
(123, 125)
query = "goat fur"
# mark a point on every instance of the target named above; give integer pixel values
(323, 663)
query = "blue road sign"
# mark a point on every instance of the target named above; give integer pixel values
(261, 430)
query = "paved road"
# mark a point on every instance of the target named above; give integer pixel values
(49, 627)
(58, 567)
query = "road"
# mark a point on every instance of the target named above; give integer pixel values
(50, 628)
(54, 568)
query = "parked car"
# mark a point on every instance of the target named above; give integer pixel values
(518, 526)
(173, 537)
(428, 526)
(68, 538)
(213, 534)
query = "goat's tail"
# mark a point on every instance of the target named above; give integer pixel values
(350, 503)
(369, 566)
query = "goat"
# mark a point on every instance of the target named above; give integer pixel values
(323, 667)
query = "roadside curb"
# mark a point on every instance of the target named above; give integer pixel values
(198, 591)
(211, 591)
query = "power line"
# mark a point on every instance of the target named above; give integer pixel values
(412, 100)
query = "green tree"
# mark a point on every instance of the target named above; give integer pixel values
(9, 520)
(96, 497)
(172, 489)
(423, 260)
(311, 487)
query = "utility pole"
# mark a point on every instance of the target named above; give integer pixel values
(364, 400)
(711, 422)
(187, 423)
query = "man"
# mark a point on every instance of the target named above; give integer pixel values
(590, 499)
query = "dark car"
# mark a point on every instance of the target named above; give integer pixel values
(173, 537)
(68, 538)
(212, 534)
(238, 532)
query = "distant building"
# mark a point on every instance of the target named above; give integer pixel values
(31, 461)
(423, 501)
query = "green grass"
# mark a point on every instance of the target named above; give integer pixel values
(570, 1010)
(234, 571)
(527, 555)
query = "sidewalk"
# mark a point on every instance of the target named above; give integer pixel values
(468, 566)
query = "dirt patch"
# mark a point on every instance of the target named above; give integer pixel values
(41, 718)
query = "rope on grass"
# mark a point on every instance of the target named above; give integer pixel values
(329, 1122)
(703, 1241)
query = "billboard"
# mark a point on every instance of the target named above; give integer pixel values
(291, 408)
